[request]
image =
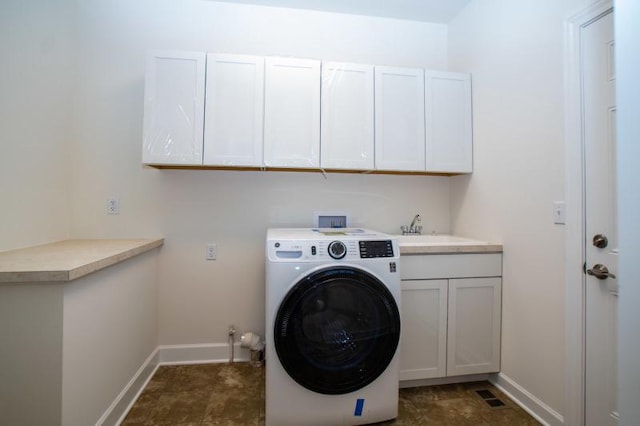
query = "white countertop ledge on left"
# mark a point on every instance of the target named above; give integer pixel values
(68, 260)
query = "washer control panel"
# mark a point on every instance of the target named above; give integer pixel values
(295, 246)
(371, 249)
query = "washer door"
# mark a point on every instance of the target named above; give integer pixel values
(337, 330)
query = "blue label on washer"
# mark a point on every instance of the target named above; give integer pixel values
(359, 407)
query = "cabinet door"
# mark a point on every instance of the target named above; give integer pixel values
(474, 326)
(174, 108)
(347, 116)
(424, 329)
(292, 113)
(399, 119)
(448, 122)
(234, 113)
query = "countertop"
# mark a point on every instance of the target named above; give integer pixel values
(68, 260)
(444, 244)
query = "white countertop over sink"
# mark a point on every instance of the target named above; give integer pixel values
(434, 244)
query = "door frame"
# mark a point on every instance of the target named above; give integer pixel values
(574, 413)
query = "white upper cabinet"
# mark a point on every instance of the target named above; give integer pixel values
(448, 122)
(298, 113)
(234, 110)
(347, 116)
(174, 108)
(399, 119)
(292, 113)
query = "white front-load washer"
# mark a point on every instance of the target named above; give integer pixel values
(332, 327)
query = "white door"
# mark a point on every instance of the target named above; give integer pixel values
(346, 136)
(235, 105)
(601, 245)
(292, 113)
(399, 119)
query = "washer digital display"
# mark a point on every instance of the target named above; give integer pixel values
(370, 249)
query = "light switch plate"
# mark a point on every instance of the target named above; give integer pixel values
(113, 206)
(559, 213)
(212, 251)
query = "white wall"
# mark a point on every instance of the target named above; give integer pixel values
(199, 299)
(515, 52)
(628, 99)
(36, 38)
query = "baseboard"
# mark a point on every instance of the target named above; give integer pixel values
(532, 405)
(443, 380)
(201, 353)
(119, 408)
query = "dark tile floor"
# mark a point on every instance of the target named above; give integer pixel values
(233, 394)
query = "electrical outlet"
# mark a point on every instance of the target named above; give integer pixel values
(113, 206)
(212, 251)
(559, 214)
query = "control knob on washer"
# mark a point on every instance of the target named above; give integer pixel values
(337, 249)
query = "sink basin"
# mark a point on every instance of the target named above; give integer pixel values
(436, 240)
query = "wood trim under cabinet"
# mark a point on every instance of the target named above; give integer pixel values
(288, 169)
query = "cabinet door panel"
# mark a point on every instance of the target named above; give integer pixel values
(424, 327)
(347, 116)
(474, 326)
(234, 113)
(292, 113)
(399, 119)
(448, 122)
(174, 108)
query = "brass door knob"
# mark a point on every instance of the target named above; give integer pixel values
(600, 241)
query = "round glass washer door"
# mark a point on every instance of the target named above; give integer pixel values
(337, 330)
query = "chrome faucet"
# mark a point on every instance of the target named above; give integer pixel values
(412, 229)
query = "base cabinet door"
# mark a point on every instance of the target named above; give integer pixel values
(473, 335)
(424, 329)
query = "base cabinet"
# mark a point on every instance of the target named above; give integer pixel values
(450, 326)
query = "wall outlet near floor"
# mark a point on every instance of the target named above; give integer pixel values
(212, 251)
(113, 206)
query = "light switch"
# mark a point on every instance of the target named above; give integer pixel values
(559, 214)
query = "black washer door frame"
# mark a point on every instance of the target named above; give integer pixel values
(337, 330)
